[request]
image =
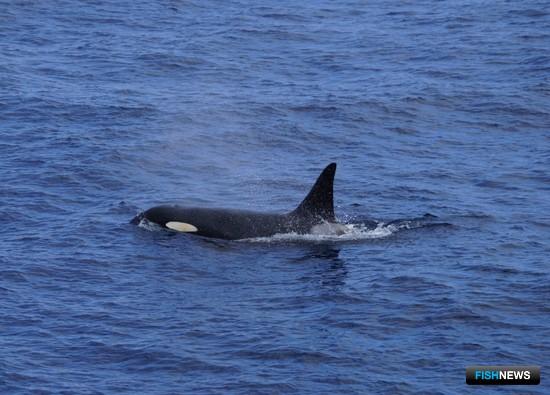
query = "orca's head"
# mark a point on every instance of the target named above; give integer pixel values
(171, 217)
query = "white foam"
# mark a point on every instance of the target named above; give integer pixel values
(331, 232)
(148, 225)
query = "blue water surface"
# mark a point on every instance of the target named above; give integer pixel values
(108, 108)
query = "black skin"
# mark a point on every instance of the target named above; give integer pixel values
(317, 207)
(230, 224)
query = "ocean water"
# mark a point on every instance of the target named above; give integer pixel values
(108, 108)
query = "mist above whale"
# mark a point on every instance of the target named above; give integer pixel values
(231, 224)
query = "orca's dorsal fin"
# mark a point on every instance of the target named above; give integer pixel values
(319, 201)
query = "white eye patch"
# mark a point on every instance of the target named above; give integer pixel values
(181, 226)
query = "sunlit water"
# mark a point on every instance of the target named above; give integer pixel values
(108, 108)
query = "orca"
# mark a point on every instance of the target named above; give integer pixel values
(316, 209)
